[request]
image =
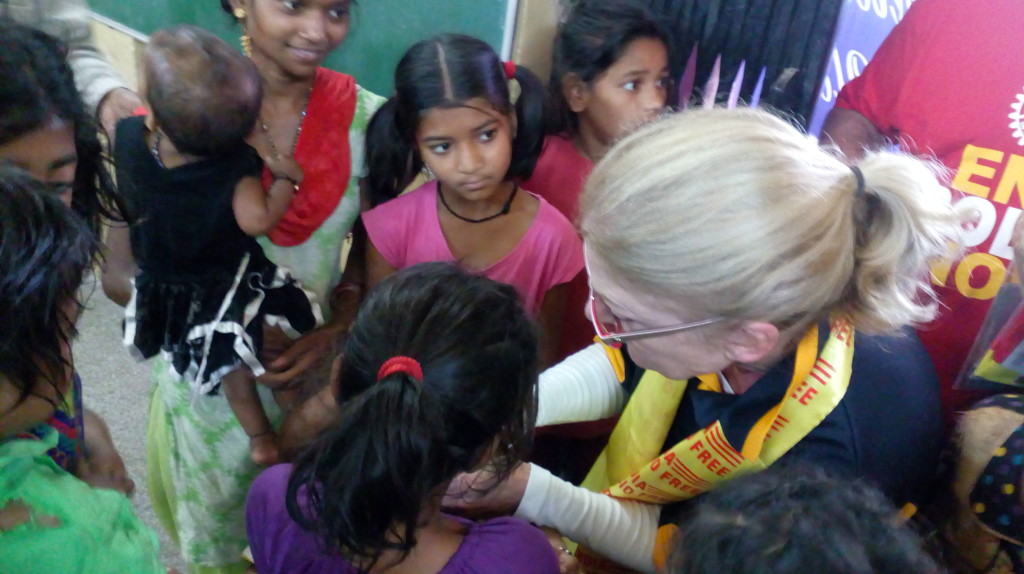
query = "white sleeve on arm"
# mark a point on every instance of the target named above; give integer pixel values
(583, 387)
(624, 531)
(95, 76)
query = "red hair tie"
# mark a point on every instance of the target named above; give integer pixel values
(510, 70)
(400, 364)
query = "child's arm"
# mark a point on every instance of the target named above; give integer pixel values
(256, 211)
(377, 268)
(118, 265)
(101, 465)
(551, 311)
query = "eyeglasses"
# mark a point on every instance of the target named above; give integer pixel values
(609, 328)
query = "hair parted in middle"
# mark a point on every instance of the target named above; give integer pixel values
(397, 440)
(739, 214)
(444, 72)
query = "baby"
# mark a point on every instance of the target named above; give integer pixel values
(204, 287)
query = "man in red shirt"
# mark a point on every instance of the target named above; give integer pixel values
(948, 82)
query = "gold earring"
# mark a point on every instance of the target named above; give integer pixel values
(239, 14)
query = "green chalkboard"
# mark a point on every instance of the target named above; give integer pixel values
(381, 29)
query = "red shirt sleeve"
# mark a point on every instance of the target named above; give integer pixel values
(885, 90)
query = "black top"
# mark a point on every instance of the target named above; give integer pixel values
(886, 430)
(186, 225)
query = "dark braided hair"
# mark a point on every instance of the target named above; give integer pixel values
(37, 85)
(396, 441)
(44, 251)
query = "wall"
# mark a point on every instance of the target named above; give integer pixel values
(381, 29)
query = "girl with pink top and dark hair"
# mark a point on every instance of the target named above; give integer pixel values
(453, 115)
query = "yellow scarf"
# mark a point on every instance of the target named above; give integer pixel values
(632, 466)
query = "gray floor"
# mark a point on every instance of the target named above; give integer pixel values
(117, 387)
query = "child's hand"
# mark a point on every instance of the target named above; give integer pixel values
(101, 465)
(106, 473)
(284, 167)
(567, 563)
(475, 495)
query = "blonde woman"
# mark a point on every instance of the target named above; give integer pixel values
(752, 292)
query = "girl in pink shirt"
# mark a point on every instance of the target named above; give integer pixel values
(453, 115)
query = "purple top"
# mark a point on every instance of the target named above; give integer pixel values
(499, 546)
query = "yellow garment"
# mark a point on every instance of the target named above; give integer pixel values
(632, 466)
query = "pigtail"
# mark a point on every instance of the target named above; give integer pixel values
(365, 482)
(532, 117)
(391, 161)
(903, 223)
(458, 356)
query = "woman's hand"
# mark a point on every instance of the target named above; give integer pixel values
(475, 494)
(297, 358)
(116, 105)
(567, 563)
(305, 421)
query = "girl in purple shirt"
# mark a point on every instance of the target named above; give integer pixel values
(437, 377)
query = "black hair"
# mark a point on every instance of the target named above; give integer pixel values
(37, 85)
(45, 249)
(444, 72)
(796, 519)
(363, 485)
(205, 95)
(592, 38)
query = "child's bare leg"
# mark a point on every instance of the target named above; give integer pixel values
(240, 389)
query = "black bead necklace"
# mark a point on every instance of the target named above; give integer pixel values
(504, 209)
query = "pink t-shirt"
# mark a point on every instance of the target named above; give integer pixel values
(559, 177)
(407, 231)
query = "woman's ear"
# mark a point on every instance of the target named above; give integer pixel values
(751, 342)
(576, 92)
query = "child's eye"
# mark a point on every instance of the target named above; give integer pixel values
(440, 148)
(662, 82)
(290, 5)
(631, 86)
(488, 135)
